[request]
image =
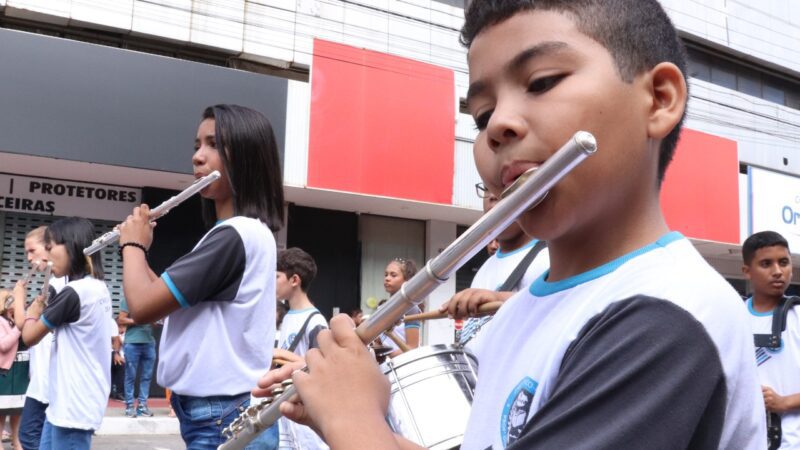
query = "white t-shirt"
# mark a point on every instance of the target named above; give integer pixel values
(293, 435)
(40, 355)
(80, 376)
(494, 272)
(780, 368)
(215, 344)
(651, 350)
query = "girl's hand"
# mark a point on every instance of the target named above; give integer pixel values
(20, 289)
(137, 227)
(36, 307)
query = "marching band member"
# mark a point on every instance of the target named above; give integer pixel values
(630, 339)
(78, 317)
(219, 299)
(517, 261)
(36, 400)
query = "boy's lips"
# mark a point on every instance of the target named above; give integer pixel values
(511, 172)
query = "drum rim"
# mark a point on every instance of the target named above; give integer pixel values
(424, 352)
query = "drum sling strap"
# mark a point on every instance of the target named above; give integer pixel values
(302, 331)
(516, 275)
(464, 336)
(773, 340)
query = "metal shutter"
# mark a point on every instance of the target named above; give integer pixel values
(14, 227)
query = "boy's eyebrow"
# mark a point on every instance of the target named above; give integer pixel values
(520, 60)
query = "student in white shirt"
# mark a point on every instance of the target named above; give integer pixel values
(630, 339)
(78, 318)
(219, 299)
(296, 271)
(33, 413)
(768, 266)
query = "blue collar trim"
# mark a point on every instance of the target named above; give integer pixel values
(300, 311)
(541, 287)
(530, 244)
(753, 310)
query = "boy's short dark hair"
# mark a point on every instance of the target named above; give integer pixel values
(760, 240)
(295, 261)
(637, 33)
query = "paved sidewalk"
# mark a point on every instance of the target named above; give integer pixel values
(115, 422)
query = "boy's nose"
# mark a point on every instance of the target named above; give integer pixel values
(505, 127)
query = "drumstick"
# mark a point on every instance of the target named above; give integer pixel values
(483, 310)
(397, 340)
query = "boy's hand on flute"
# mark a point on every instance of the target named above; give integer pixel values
(344, 391)
(137, 227)
(466, 303)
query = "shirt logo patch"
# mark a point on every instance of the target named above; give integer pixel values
(288, 341)
(764, 354)
(516, 411)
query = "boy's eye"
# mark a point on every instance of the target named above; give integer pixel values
(544, 84)
(483, 120)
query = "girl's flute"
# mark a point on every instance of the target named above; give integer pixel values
(45, 293)
(160, 210)
(527, 194)
(34, 268)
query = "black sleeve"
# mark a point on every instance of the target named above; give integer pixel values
(312, 336)
(63, 308)
(644, 373)
(211, 272)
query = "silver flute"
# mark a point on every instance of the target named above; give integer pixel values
(34, 268)
(527, 194)
(45, 293)
(160, 210)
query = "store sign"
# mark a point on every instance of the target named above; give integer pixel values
(66, 198)
(775, 204)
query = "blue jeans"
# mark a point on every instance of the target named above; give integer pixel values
(202, 420)
(134, 355)
(31, 423)
(58, 438)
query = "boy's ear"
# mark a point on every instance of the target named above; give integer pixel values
(746, 271)
(669, 96)
(295, 280)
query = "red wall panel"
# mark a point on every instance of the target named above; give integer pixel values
(380, 124)
(700, 195)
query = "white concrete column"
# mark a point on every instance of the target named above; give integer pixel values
(438, 235)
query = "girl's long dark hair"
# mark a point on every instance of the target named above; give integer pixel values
(249, 153)
(76, 233)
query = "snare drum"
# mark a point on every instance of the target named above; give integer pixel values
(431, 395)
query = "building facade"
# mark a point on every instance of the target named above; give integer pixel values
(366, 97)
